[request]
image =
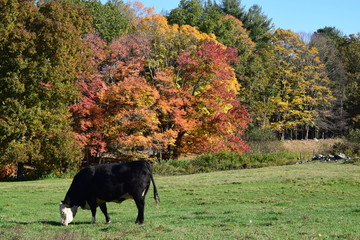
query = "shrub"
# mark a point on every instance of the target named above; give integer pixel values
(271, 159)
(350, 149)
(223, 161)
(354, 136)
(219, 161)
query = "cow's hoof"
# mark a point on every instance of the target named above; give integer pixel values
(108, 222)
(139, 222)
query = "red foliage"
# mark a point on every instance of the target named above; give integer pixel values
(87, 114)
(208, 73)
(195, 111)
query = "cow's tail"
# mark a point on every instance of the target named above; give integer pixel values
(156, 195)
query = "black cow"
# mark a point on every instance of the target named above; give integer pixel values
(94, 186)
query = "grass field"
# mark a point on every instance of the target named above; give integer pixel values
(307, 201)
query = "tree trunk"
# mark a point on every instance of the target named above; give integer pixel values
(176, 152)
(307, 128)
(20, 171)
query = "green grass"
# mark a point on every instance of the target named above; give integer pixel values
(307, 201)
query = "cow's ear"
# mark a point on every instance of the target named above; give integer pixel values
(64, 204)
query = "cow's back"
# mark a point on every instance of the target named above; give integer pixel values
(111, 181)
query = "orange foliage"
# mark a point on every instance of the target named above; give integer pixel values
(140, 10)
(169, 90)
(7, 171)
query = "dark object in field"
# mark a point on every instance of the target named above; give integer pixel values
(330, 157)
(94, 186)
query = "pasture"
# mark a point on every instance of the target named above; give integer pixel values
(306, 201)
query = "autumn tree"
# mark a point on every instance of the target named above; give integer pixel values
(175, 38)
(301, 84)
(87, 113)
(169, 90)
(210, 78)
(39, 62)
(167, 41)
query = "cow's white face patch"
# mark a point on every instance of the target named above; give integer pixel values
(67, 214)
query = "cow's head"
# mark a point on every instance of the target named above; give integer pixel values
(67, 213)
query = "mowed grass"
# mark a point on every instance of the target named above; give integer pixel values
(307, 201)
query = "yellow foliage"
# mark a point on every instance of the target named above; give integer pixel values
(301, 82)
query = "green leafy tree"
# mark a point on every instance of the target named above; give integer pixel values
(41, 53)
(210, 19)
(187, 13)
(110, 20)
(351, 55)
(331, 32)
(254, 20)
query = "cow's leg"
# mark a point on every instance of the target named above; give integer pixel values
(140, 203)
(104, 210)
(92, 204)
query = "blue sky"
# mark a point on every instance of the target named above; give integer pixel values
(300, 16)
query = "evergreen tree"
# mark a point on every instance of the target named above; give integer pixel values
(258, 25)
(188, 12)
(210, 19)
(234, 8)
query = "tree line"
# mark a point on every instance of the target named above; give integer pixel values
(117, 78)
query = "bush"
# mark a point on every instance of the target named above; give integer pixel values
(223, 161)
(354, 136)
(350, 149)
(219, 161)
(271, 159)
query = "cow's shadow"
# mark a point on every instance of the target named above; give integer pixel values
(55, 223)
(51, 223)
